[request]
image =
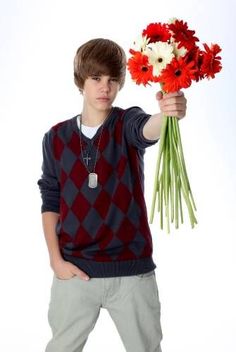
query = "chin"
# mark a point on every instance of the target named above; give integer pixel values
(104, 105)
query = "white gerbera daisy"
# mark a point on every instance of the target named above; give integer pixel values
(140, 43)
(172, 20)
(159, 54)
(178, 52)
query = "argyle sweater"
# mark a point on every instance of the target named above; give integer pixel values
(102, 230)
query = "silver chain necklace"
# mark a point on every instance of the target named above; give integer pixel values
(92, 175)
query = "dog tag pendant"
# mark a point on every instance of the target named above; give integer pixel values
(93, 180)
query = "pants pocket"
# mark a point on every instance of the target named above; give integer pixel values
(148, 274)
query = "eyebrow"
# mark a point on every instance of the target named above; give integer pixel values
(101, 74)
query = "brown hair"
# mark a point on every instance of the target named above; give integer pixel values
(99, 57)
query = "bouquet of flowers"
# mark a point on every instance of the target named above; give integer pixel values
(167, 53)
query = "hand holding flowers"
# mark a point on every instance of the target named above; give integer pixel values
(172, 104)
(168, 54)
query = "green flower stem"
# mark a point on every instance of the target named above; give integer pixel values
(176, 126)
(172, 168)
(185, 181)
(184, 186)
(175, 175)
(161, 205)
(176, 203)
(159, 195)
(171, 179)
(156, 182)
(182, 156)
(180, 202)
(167, 181)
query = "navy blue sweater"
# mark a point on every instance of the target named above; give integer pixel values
(102, 230)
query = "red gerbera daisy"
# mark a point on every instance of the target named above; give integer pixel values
(157, 32)
(177, 74)
(183, 35)
(132, 51)
(195, 54)
(140, 69)
(210, 61)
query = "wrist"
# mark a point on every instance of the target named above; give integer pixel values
(55, 260)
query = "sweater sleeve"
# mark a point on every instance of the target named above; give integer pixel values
(135, 119)
(48, 183)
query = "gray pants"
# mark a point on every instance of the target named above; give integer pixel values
(132, 302)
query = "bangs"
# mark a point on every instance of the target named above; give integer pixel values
(99, 57)
(98, 69)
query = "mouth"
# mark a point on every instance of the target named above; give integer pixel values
(103, 99)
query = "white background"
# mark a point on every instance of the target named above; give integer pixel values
(195, 268)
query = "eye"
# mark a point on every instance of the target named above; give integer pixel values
(114, 79)
(95, 78)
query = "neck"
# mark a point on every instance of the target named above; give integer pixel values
(92, 118)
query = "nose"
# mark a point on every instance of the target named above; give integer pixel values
(105, 86)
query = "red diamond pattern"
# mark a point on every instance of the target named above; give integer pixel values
(104, 170)
(102, 203)
(104, 236)
(63, 209)
(121, 166)
(126, 254)
(126, 231)
(103, 141)
(82, 239)
(78, 169)
(118, 132)
(126, 160)
(122, 197)
(102, 256)
(58, 147)
(80, 207)
(74, 144)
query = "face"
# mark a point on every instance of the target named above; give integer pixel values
(99, 92)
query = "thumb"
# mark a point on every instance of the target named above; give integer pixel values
(80, 273)
(159, 95)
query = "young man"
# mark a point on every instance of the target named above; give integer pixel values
(93, 208)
